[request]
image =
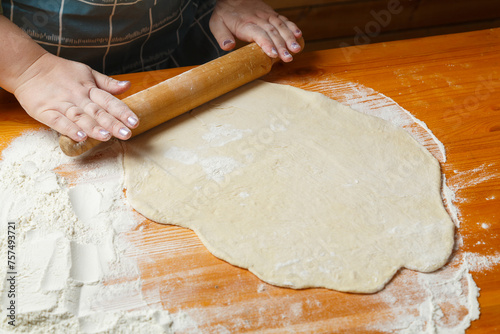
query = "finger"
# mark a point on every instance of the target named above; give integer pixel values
(278, 41)
(109, 124)
(62, 124)
(292, 26)
(110, 85)
(119, 111)
(221, 33)
(279, 22)
(254, 32)
(87, 123)
(115, 107)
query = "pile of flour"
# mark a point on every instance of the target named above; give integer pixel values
(69, 252)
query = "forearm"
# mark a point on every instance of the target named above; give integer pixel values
(17, 53)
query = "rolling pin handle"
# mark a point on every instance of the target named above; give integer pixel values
(73, 148)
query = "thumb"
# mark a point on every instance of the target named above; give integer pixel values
(221, 33)
(110, 85)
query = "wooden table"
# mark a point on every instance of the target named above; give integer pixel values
(451, 82)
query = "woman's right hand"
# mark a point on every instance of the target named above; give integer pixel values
(74, 100)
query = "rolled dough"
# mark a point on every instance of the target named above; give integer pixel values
(301, 190)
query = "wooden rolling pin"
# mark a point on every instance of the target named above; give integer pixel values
(188, 90)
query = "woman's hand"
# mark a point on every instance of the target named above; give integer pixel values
(254, 21)
(75, 100)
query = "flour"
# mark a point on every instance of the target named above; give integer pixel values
(449, 197)
(482, 263)
(68, 244)
(485, 225)
(447, 302)
(216, 168)
(220, 135)
(472, 177)
(183, 156)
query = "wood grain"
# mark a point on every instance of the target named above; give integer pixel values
(452, 83)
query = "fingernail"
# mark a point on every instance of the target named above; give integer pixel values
(298, 31)
(124, 132)
(123, 83)
(132, 120)
(295, 46)
(274, 51)
(104, 133)
(227, 42)
(286, 54)
(81, 134)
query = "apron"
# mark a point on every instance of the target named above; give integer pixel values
(120, 36)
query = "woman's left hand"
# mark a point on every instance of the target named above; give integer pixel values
(254, 21)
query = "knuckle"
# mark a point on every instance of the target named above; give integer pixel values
(108, 100)
(100, 114)
(265, 14)
(274, 18)
(56, 120)
(61, 124)
(120, 108)
(279, 23)
(114, 106)
(250, 26)
(113, 126)
(104, 119)
(271, 29)
(119, 112)
(92, 110)
(74, 112)
(88, 84)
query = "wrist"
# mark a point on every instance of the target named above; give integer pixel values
(17, 53)
(40, 63)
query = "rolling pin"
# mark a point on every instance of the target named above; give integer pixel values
(177, 95)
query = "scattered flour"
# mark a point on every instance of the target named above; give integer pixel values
(472, 177)
(478, 262)
(183, 156)
(68, 245)
(442, 302)
(220, 135)
(217, 167)
(485, 225)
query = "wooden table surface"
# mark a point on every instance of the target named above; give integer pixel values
(450, 82)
